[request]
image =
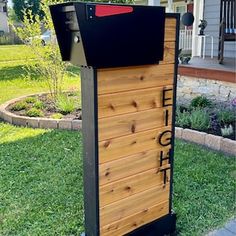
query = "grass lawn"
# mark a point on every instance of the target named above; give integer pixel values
(41, 189)
(14, 52)
(15, 80)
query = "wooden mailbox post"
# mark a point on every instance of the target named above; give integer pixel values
(128, 59)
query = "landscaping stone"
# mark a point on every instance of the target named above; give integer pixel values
(221, 232)
(213, 141)
(190, 87)
(17, 120)
(33, 122)
(228, 146)
(76, 124)
(231, 226)
(178, 132)
(65, 124)
(7, 116)
(194, 136)
(47, 123)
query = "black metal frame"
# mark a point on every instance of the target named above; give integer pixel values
(160, 227)
(90, 146)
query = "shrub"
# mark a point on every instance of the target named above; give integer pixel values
(18, 106)
(182, 118)
(200, 119)
(30, 100)
(200, 102)
(57, 116)
(65, 104)
(49, 64)
(38, 104)
(227, 130)
(34, 112)
(226, 116)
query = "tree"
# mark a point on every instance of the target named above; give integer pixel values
(21, 5)
(48, 59)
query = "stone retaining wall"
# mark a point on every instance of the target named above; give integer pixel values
(214, 142)
(218, 91)
(44, 123)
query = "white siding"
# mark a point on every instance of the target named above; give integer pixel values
(212, 16)
(3, 19)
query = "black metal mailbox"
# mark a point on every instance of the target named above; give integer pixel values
(105, 36)
(128, 58)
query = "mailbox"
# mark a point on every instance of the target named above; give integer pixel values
(128, 59)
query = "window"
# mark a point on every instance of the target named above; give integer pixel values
(180, 9)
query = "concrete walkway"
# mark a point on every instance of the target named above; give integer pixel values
(228, 230)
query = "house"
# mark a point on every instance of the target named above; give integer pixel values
(202, 76)
(4, 28)
(211, 13)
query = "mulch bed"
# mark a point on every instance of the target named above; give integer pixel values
(49, 109)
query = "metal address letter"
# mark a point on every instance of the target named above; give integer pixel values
(167, 141)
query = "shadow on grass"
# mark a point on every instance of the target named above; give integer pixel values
(41, 188)
(18, 72)
(73, 70)
(10, 72)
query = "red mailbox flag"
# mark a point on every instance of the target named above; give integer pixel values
(106, 10)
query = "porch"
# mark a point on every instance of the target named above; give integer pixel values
(208, 78)
(210, 69)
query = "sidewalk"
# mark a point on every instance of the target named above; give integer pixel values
(228, 230)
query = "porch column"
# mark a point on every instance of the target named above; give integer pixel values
(198, 15)
(170, 6)
(154, 2)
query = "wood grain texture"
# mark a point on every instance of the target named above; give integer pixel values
(169, 53)
(131, 185)
(170, 30)
(131, 101)
(133, 204)
(116, 148)
(131, 78)
(130, 165)
(133, 222)
(133, 122)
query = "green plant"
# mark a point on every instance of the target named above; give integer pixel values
(34, 112)
(38, 104)
(49, 64)
(201, 102)
(65, 104)
(57, 116)
(182, 118)
(226, 116)
(18, 106)
(199, 119)
(30, 100)
(227, 130)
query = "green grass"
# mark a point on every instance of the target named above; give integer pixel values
(42, 190)
(14, 52)
(15, 81)
(204, 189)
(41, 187)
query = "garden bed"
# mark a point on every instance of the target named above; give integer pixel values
(43, 115)
(202, 115)
(66, 106)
